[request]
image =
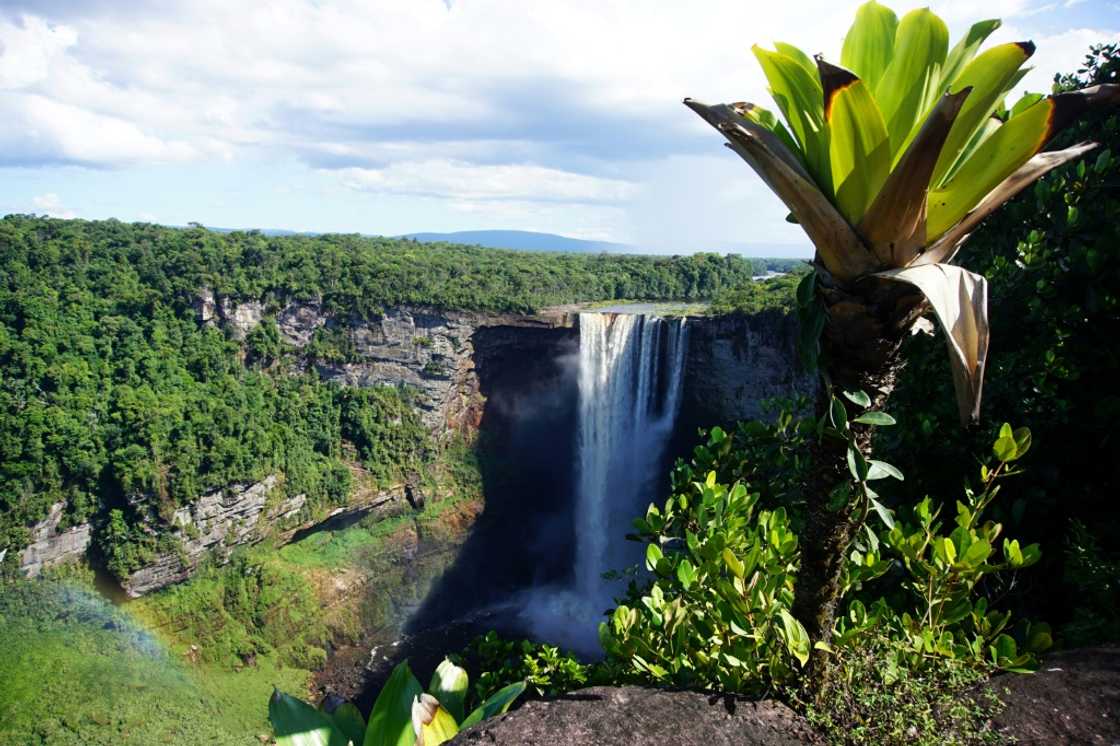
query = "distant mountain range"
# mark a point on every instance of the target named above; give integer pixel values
(534, 241)
(524, 240)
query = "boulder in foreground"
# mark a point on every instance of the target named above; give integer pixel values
(634, 715)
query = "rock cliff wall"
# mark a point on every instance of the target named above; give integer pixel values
(735, 363)
(506, 373)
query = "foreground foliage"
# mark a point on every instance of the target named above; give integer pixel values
(77, 671)
(1051, 259)
(889, 162)
(403, 713)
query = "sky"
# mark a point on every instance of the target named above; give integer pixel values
(397, 116)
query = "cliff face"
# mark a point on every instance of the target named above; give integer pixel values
(735, 363)
(512, 376)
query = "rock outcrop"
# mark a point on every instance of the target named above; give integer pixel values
(735, 363)
(214, 524)
(633, 715)
(49, 546)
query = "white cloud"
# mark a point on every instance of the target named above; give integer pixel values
(486, 104)
(465, 181)
(50, 204)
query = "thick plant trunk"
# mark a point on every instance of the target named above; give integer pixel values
(860, 352)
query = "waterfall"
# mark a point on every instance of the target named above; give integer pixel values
(631, 368)
(629, 397)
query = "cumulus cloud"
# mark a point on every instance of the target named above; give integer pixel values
(478, 102)
(50, 204)
(465, 181)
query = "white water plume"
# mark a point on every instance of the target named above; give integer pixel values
(630, 372)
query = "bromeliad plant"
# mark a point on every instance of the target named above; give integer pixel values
(889, 161)
(403, 714)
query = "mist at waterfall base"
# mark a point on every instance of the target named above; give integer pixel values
(630, 374)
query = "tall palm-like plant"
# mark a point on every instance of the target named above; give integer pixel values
(888, 162)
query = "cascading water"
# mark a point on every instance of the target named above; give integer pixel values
(630, 372)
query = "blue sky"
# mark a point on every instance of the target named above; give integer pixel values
(395, 116)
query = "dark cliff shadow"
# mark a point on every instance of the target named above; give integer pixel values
(524, 536)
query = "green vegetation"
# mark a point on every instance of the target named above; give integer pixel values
(402, 714)
(120, 404)
(888, 163)
(761, 295)
(1050, 256)
(77, 671)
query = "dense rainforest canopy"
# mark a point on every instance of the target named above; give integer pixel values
(117, 401)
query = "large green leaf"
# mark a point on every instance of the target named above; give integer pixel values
(997, 157)
(960, 301)
(894, 225)
(965, 49)
(909, 85)
(786, 148)
(297, 723)
(988, 76)
(859, 148)
(797, 56)
(838, 247)
(869, 45)
(799, 97)
(495, 704)
(449, 686)
(390, 721)
(946, 247)
(348, 719)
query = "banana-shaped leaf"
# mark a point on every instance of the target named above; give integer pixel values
(348, 719)
(801, 101)
(894, 225)
(431, 722)
(496, 704)
(390, 720)
(797, 56)
(869, 44)
(909, 85)
(839, 248)
(988, 76)
(986, 130)
(946, 247)
(960, 301)
(1009, 147)
(449, 686)
(961, 54)
(297, 723)
(859, 148)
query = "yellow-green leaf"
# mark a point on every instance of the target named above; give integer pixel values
(946, 247)
(1004, 151)
(859, 148)
(800, 99)
(431, 722)
(965, 49)
(797, 56)
(909, 85)
(988, 76)
(869, 44)
(449, 686)
(894, 224)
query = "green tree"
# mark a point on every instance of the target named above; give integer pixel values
(889, 163)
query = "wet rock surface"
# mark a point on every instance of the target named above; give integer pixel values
(634, 715)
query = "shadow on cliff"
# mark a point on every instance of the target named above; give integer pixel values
(526, 446)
